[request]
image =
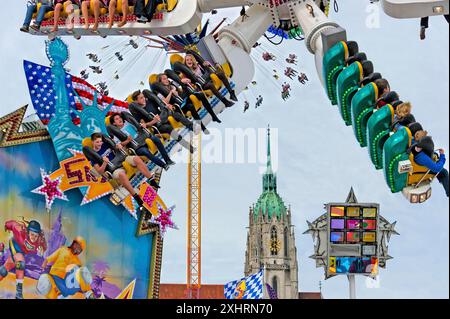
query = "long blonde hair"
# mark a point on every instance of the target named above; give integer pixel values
(404, 109)
(194, 61)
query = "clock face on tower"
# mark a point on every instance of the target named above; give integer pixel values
(274, 246)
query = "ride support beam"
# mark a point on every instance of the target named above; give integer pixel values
(313, 22)
(206, 6)
(409, 9)
(237, 40)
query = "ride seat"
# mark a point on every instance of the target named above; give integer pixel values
(175, 124)
(163, 137)
(419, 173)
(395, 151)
(333, 64)
(130, 170)
(347, 86)
(362, 106)
(169, 6)
(379, 127)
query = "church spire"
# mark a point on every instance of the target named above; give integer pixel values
(269, 178)
(269, 156)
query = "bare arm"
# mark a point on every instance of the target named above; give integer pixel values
(101, 169)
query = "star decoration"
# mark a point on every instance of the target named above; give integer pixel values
(163, 220)
(50, 189)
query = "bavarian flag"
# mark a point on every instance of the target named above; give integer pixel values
(250, 287)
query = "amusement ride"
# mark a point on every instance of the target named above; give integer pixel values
(346, 74)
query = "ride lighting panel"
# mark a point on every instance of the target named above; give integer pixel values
(408, 9)
(353, 239)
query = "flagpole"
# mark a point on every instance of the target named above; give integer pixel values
(352, 286)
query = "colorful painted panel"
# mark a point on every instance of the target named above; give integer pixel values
(337, 211)
(351, 265)
(337, 223)
(354, 228)
(42, 243)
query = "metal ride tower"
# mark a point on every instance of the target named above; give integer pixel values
(194, 219)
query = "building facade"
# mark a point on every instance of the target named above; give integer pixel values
(271, 240)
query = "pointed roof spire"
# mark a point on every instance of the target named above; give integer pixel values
(351, 198)
(269, 156)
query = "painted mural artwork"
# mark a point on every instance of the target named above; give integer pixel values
(31, 238)
(62, 236)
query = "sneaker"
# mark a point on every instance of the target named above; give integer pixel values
(233, 96)
(170, 163)
(36, 27)
(217, 120)
(229, 104)
(154, 184)
(206, 131)
(166, 167)
(142, 19)
(422, 33)
(19, 291)
(25, 29)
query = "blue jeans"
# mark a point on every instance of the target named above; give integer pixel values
(144, 151)
(443, 179)
(40, 16)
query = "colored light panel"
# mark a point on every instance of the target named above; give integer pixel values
(353, 237)
(370, 212)
(337, 224)
(337, 237)
(353, 211)
(337, 211)
(353, 224)
(369, 237)
(369, 250)
(352, 265)
(370, 224)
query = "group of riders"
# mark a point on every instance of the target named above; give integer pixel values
(150, 117)
(144, 10)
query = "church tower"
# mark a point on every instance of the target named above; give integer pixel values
(271, 240)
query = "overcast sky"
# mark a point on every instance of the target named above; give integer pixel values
(319, 158)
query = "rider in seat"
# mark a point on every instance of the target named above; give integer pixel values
(32, 7)
(205, 72)
(151, 114)
(177, 96)
(423, 152)
(133, 132)
(189, 90)
(107, 160)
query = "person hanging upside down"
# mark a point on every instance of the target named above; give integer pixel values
(107, 156)
(205, 73)
(67, 277)
(25, 240)
(132, 133)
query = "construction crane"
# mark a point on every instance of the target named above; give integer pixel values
(194, 219)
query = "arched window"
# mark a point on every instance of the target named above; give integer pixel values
(286, 242)
(274, 241)
(275, 284)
